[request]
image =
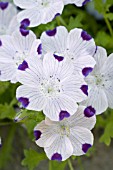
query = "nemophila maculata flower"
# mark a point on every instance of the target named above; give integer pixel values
(77, 47)
(43, 11)
(67, 137)
(100, 82)
(14, 49)
(7, 12)
(50, 85)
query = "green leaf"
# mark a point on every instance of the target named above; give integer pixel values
(6, 111)
(75, 22)
(99, 6)
(55, 165)
(108, 133)
(109, 16)
(32, 158)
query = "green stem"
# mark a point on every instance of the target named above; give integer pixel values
(108, 25)
(80, 164)
(50, 166)
(70, 164)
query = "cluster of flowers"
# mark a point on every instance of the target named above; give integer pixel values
(64, 74)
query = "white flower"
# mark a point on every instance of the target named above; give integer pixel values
(7, 12)
(50, 86)
(68, 137)
(14, 49)
(77, 47)
(43, 11)
(39, 11)
(100, 82)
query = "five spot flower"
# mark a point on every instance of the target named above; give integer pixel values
(77, 47)
(50, 85)
(43, 11)
(68, 137)
(100, 82)
(14, 49)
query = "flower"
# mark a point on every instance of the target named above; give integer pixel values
(50, 85)
(68, 137)
(43, 11)
(39, 11)
(100, 82)
(14, 49)
(77, 47)
(7, 12)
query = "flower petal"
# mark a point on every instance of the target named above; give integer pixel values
(80, 119)
(60, 150)
(36, 100)
(97, 99)
(81, 139)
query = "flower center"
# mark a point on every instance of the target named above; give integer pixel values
(51, 87)
(98, 80)
(64, 130)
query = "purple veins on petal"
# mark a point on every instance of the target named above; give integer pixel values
(63, 114)
(39, 49)
(59, 58)
(24, 101)
(23, 66)
(0, 43)
(85, 147)
(3, 5)
(89, 111)
(57, 157)
(37, 134)
(86, 71)
(84, 88)
(51, 32)
(85, 2)
(85, 36)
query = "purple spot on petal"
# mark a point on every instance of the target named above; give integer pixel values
(59, 58)
(56, 15)
(3, 5)
(0, 43)
(63, 114)
(86, 71)
(85, 2)
(51, 32)
(25, 23)
(0, 145)
(24, 32)
(39, 49)
(24, 101)
(56, 157)
(37, 134)
(85, 147)
(84, 88)
(85, 36)
(23, 66)
(89, 111)
(23, 27)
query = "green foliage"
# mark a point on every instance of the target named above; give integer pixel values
(54, 165)
(32, 158)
